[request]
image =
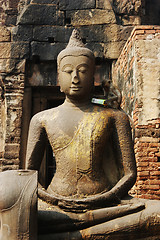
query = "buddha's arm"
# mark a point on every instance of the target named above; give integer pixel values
(124, 148)
(36, 143)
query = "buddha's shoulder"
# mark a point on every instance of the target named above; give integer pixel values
(115, 113)
(45, 115)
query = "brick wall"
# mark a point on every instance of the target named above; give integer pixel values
(147, 148)
(136, 72)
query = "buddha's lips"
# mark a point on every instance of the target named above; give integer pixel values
(75, 88)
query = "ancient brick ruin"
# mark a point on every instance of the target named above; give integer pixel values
(33, 32)
(138, 66)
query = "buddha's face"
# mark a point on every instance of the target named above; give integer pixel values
(76, 76)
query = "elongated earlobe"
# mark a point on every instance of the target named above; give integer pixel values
(58, 81)
(61, 90)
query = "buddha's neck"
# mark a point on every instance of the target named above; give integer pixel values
(76, 103)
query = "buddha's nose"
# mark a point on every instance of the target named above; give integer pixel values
(75, 78)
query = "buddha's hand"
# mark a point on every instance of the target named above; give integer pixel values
(42, 194)
(100, 200)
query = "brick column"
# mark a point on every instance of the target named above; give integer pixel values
(136, 72)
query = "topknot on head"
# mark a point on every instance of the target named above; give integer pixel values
(75, 47)
(75, 40)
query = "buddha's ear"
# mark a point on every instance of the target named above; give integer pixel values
(61, 90)
(58, 81)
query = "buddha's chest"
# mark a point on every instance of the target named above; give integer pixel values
(79, 157)
(84, 131)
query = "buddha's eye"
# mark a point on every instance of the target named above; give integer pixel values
(82, 69)
(67, 70)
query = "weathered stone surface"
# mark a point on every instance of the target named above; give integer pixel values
(13, 3)
(14, 137)
(94, 33)
(97, 48)
(73, 5)
(14, 84)
(20, 66)
(14, 50)
(127, 7)
(22, 4)
(45, 1)
(5, 50)
(22, 33)
(13, 123)
(51, 33)
(125, 32)
(11, 17)
(147, 84)
(46, 51)
(93, 16)
(5, 34)
(45, 14)
(9, 65)
(131, 20)
(113, 49)
(111, 32)
(103, 4)
(103, 33)
(20, 50)
(10, 162)
(12, 151)
(14, 101)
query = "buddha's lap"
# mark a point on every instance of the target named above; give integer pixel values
(132, 212)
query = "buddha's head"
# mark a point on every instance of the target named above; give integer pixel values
(76, 65)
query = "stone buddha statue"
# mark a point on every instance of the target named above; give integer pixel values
(95, 163)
